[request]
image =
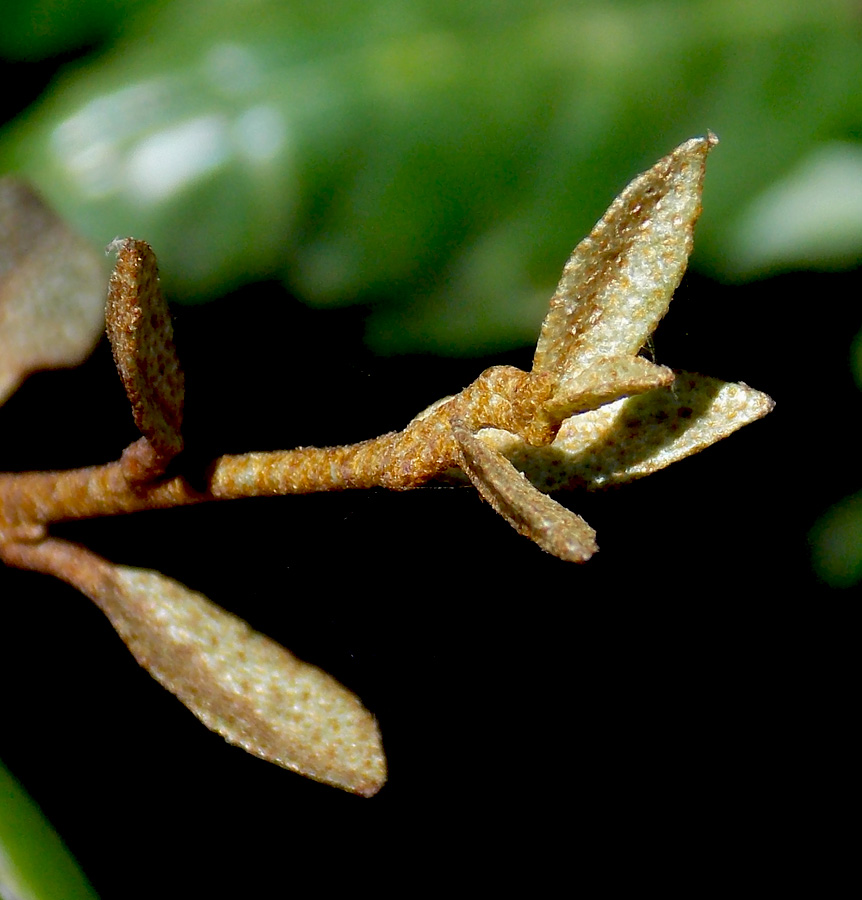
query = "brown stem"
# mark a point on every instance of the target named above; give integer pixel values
(502, 397)
(68, 562)
(398, 460)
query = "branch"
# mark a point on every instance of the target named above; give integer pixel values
(590, 412)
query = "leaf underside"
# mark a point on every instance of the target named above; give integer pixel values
(637, 436)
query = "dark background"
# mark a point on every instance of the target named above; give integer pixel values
(677, 704)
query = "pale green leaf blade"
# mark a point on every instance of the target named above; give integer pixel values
(635, 437)
(603, 382)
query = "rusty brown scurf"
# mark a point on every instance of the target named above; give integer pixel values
(139, 328)
(591, 412)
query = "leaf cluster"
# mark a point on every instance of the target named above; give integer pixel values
(590, 412)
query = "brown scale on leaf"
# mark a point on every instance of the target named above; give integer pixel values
(591, 412)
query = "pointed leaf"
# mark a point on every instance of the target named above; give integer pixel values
(554, 528)
(52, 289)
(237, 681)
(635, 437)
(620, 279)
(605, 381)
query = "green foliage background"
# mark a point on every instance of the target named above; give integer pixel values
(438, 160)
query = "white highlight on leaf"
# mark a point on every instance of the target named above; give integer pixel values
(169, 160)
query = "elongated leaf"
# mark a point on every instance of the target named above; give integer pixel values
(604, 381)
(620, 279)
(554, 528)
(635, 437)
(237, 681)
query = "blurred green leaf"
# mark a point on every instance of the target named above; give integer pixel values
(437, 159)
(34, 862)
(812, 218)
(836, 543)
(856, 359)
(836, 538)
(36, 29)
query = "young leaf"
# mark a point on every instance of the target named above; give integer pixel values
(619, 280)
(142, 339)
(603, 382)
(536, 516)
(637, 436)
